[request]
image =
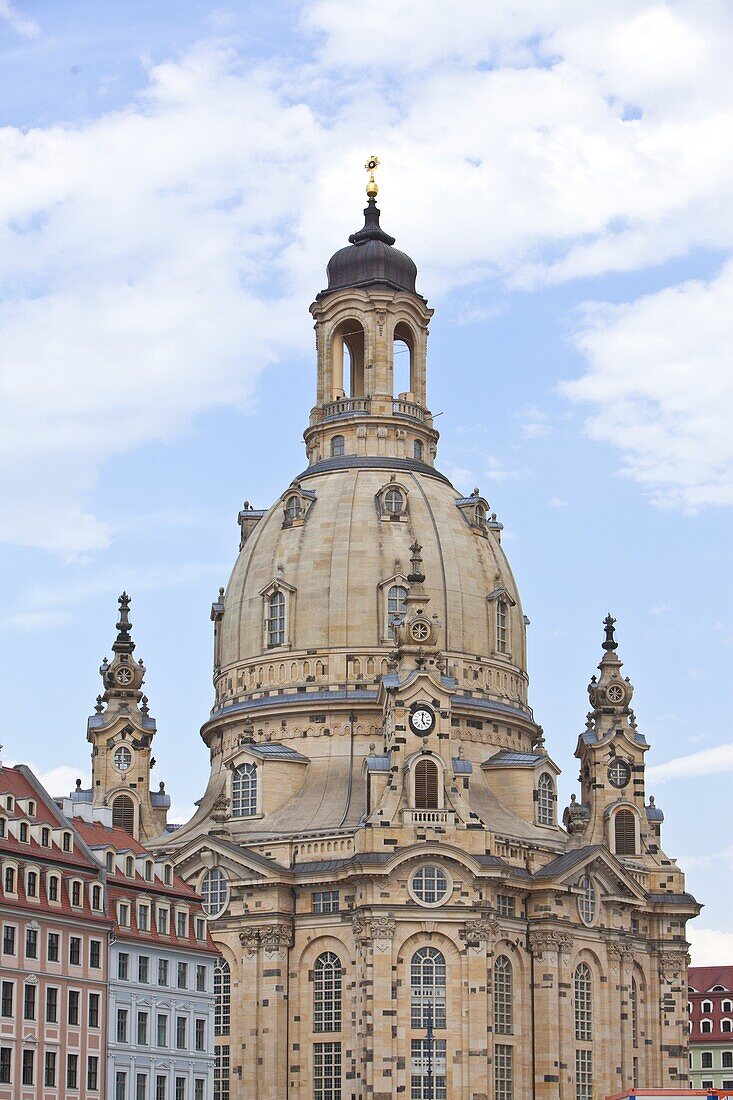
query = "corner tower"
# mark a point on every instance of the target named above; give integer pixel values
(371, 338)
(121, 733)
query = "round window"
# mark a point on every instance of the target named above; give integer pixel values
(430, 885)
(587, 900)
(619, 773)
(394, 502)
(215, 892)
(122, 758)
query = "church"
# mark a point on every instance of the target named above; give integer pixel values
(401, 908)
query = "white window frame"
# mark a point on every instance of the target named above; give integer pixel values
(245, 777)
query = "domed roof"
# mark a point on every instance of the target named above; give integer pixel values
(340, 560)
(370, 258)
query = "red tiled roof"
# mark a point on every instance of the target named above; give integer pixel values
(13, 781)
(98, 835)
(703, 978)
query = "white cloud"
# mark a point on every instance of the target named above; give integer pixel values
(660, 382)
(21, 24)
(59, 780)
(154, 260)
(558, 502)
(709, 946)
(535, 423)
(715, 761)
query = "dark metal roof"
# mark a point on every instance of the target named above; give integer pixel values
(305, 697)
(506, 757)
(462, 767)
(379, 763)
(371, 462)
(370, 258)
(566, 862)
(673, 899)
(273, 750)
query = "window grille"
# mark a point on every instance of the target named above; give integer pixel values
(583, 1075)
(394, 502)
(327, 1071)
(396, 606)
(276, 619)
(634, 1005)
(624, 827)
(587, 901)
(426, 785)
(503, 1084)
(545, 800)
(337, 446)
(430, 884)
(122, 758)
(428, 988)
(503, 1024)
(327, 992)
(222, 997)
(706, 1060)
(221, 1073)
(505, 905)
(417, 450)
(501, 626)
(244, 791)
(583, 987)
(428, 1069)
(292, 508)
(326, 901)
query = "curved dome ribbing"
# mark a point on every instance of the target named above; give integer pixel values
(371, 258)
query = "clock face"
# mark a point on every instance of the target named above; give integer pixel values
(615, 693)
(619, 773)
(422, 720)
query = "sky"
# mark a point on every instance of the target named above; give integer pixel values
(174, 180)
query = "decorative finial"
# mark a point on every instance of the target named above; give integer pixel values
(162, 787)
(144, 708)
(99, 706)
(78, 784)
(416, 575)
(610, 643)
(124, 643)
(371, 166)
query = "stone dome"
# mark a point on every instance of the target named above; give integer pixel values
(336, 565)
(371, 258)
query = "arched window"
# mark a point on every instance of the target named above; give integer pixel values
(96, 897)
(417, 450)
(31, 884)
(337, 446)
(402, 357)
(503, 1024)
(292, 508)
(426, 785)
(9, 880)
(480, 515)
(244, 791)
(45, 837)
(276, 619)
(726, 1025)
(624, 827)
(727, 1059)
(706, 1006)
(396, 606)
(394, 502)
(583, 988)
(348, 360)
(123, 813)
(327, 992)
(427, 985)
(545, 800)
(634, 1006)
(706, 1027)
(215, 891)
(587, 900)
(501, 626)
(222, 997)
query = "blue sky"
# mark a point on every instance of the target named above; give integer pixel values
(174, 181)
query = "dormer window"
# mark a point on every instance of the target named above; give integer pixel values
(76, 894)
(338, 444)
(479, 515)
(23, 832)
(31, 884)
(167, 874)
(394, 502)
(545, 799)
(3, 827)
(130, 867)
(292, 508)
(396, 606)
(418, 450)
(148, 870)
(46, 837)
(276, 619)
(501, 625)
(66, 842)
(31, 808)
(54, 883)
(244, 791)
(123, 914)
(9, 802)
(96, 897)
(9, 880)
(109, 861)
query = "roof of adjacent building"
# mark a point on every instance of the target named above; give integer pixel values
(703, 979)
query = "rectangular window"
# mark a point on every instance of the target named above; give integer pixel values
(327, 1071)
(75, 950)
(180, 1088)
(5, 1055)
(181, 1032)
(49, 1072)
(29, 1067)
(162, 915)
(31, 943)
(505, 905)
(503, 1088)
(428, 1069)
(121, 1025)
(123, 915)
(52, 949)
(123, 966)
(94, 1010)
(29, 1002)
(200, 1035)
(95, 954)
(76, 894)
(8, 939)
(200, 979)
(162, 1031)
(93, 1073)
(72, 1071)
(181, 925)
(143, 918)
(120, 1085)
(52, 1005)
(6, 1004)
(198, 1088)
(221, 1073)
(142, 1029)
(143, 969)
(326, 901)
(162, 972)
(141, 1086)
(53, 888)
(200, 928)
(183, 975)
(73, 1013)
(583, 1075)
(161, 1087)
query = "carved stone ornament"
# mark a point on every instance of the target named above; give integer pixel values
(482, 929)
(576, 817)
(672, 963)
(271, 937)
(619, 951)
(373, 928)
(220, 809)
(550, 943)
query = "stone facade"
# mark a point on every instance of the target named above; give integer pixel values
(398, 909)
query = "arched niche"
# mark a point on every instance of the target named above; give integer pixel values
(347, 350)
(403, 362)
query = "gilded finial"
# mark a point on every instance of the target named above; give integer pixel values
(371, 166)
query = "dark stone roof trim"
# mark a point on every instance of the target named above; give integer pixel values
(371, 462)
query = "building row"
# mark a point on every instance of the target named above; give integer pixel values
(107, 968)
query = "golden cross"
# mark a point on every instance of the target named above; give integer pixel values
(371, 166)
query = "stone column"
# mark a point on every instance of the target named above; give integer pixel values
(553, 1022)
(673, 990)
(479, 937)
(374, 938)
(269, 946)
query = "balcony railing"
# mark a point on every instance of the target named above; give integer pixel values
(349, 406)
(408, 408)
(428, 817)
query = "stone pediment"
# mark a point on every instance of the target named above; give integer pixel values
(208, 850)
(565, 870)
